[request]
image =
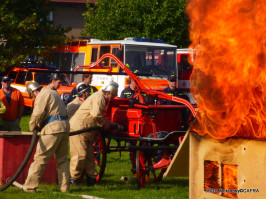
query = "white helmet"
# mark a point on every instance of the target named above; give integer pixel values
(32, 86)
(111, 87)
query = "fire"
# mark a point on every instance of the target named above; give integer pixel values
(211, 176)
(229, 77)
(229, 180)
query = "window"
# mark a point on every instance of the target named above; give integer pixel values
(184, 63)
(115, 51)
(29, 76)
(78, 59)
(44, 79)
(66, 61)
(151, 60)
(21, 77)
(104, 50)
(94, 54)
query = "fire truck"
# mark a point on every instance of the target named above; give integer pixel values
(149, 59)
(40, 73)
(185, 68)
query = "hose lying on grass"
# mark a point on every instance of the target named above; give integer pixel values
(31, 148)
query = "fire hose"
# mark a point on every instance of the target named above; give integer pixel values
(30, 150)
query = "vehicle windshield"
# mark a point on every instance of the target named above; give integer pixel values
(154, 60)
(44, 78)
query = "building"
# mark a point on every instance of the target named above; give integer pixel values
(69, 13)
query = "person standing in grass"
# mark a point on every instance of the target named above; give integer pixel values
(90, 113)
(14, 103)
(49, 113)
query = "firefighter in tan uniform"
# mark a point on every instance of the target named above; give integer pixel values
(49, 112)
(83, 93)
(90, 113)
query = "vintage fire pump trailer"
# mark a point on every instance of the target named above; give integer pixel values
(152, 131)
(152, 134)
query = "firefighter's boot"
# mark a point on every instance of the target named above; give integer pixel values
(91, 181)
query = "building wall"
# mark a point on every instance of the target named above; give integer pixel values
(70, 15)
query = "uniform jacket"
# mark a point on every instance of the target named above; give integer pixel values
(176, 92)
(127, 93)
(48, 103)
(17, 101)
(73, 106)
(90, 113)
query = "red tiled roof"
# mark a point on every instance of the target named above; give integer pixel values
(73, 1)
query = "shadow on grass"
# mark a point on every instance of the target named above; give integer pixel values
(118, 185)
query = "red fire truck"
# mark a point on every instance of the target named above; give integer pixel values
(185, 70)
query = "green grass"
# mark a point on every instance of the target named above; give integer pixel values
(110, 186)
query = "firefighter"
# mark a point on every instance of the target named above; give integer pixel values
(87, 79)
(83, 93)
(49, 115)
(173, 91)
(129, 91)
(90, 113)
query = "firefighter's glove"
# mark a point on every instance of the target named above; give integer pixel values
(38, 127)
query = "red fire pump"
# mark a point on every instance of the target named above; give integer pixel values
(153, 132)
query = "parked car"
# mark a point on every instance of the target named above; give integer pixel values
(41, 74)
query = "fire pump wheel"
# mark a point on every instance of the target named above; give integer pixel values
(148, 168)
(141, 172)
(99, 146)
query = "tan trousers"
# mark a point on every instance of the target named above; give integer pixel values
(48, 145)
(82, 155)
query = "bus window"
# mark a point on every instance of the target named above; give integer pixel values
(78, 59)
(74, 43)
(94, 54)
(154, 60)
(115, 52)
(104, 50)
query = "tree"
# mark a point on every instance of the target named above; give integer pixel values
(25, 30)
(158, 19)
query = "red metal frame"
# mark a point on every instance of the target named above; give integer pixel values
(140, 87)
(143, 121)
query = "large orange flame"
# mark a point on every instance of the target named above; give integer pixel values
(229, 77)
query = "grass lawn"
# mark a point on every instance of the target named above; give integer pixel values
(110, 186)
